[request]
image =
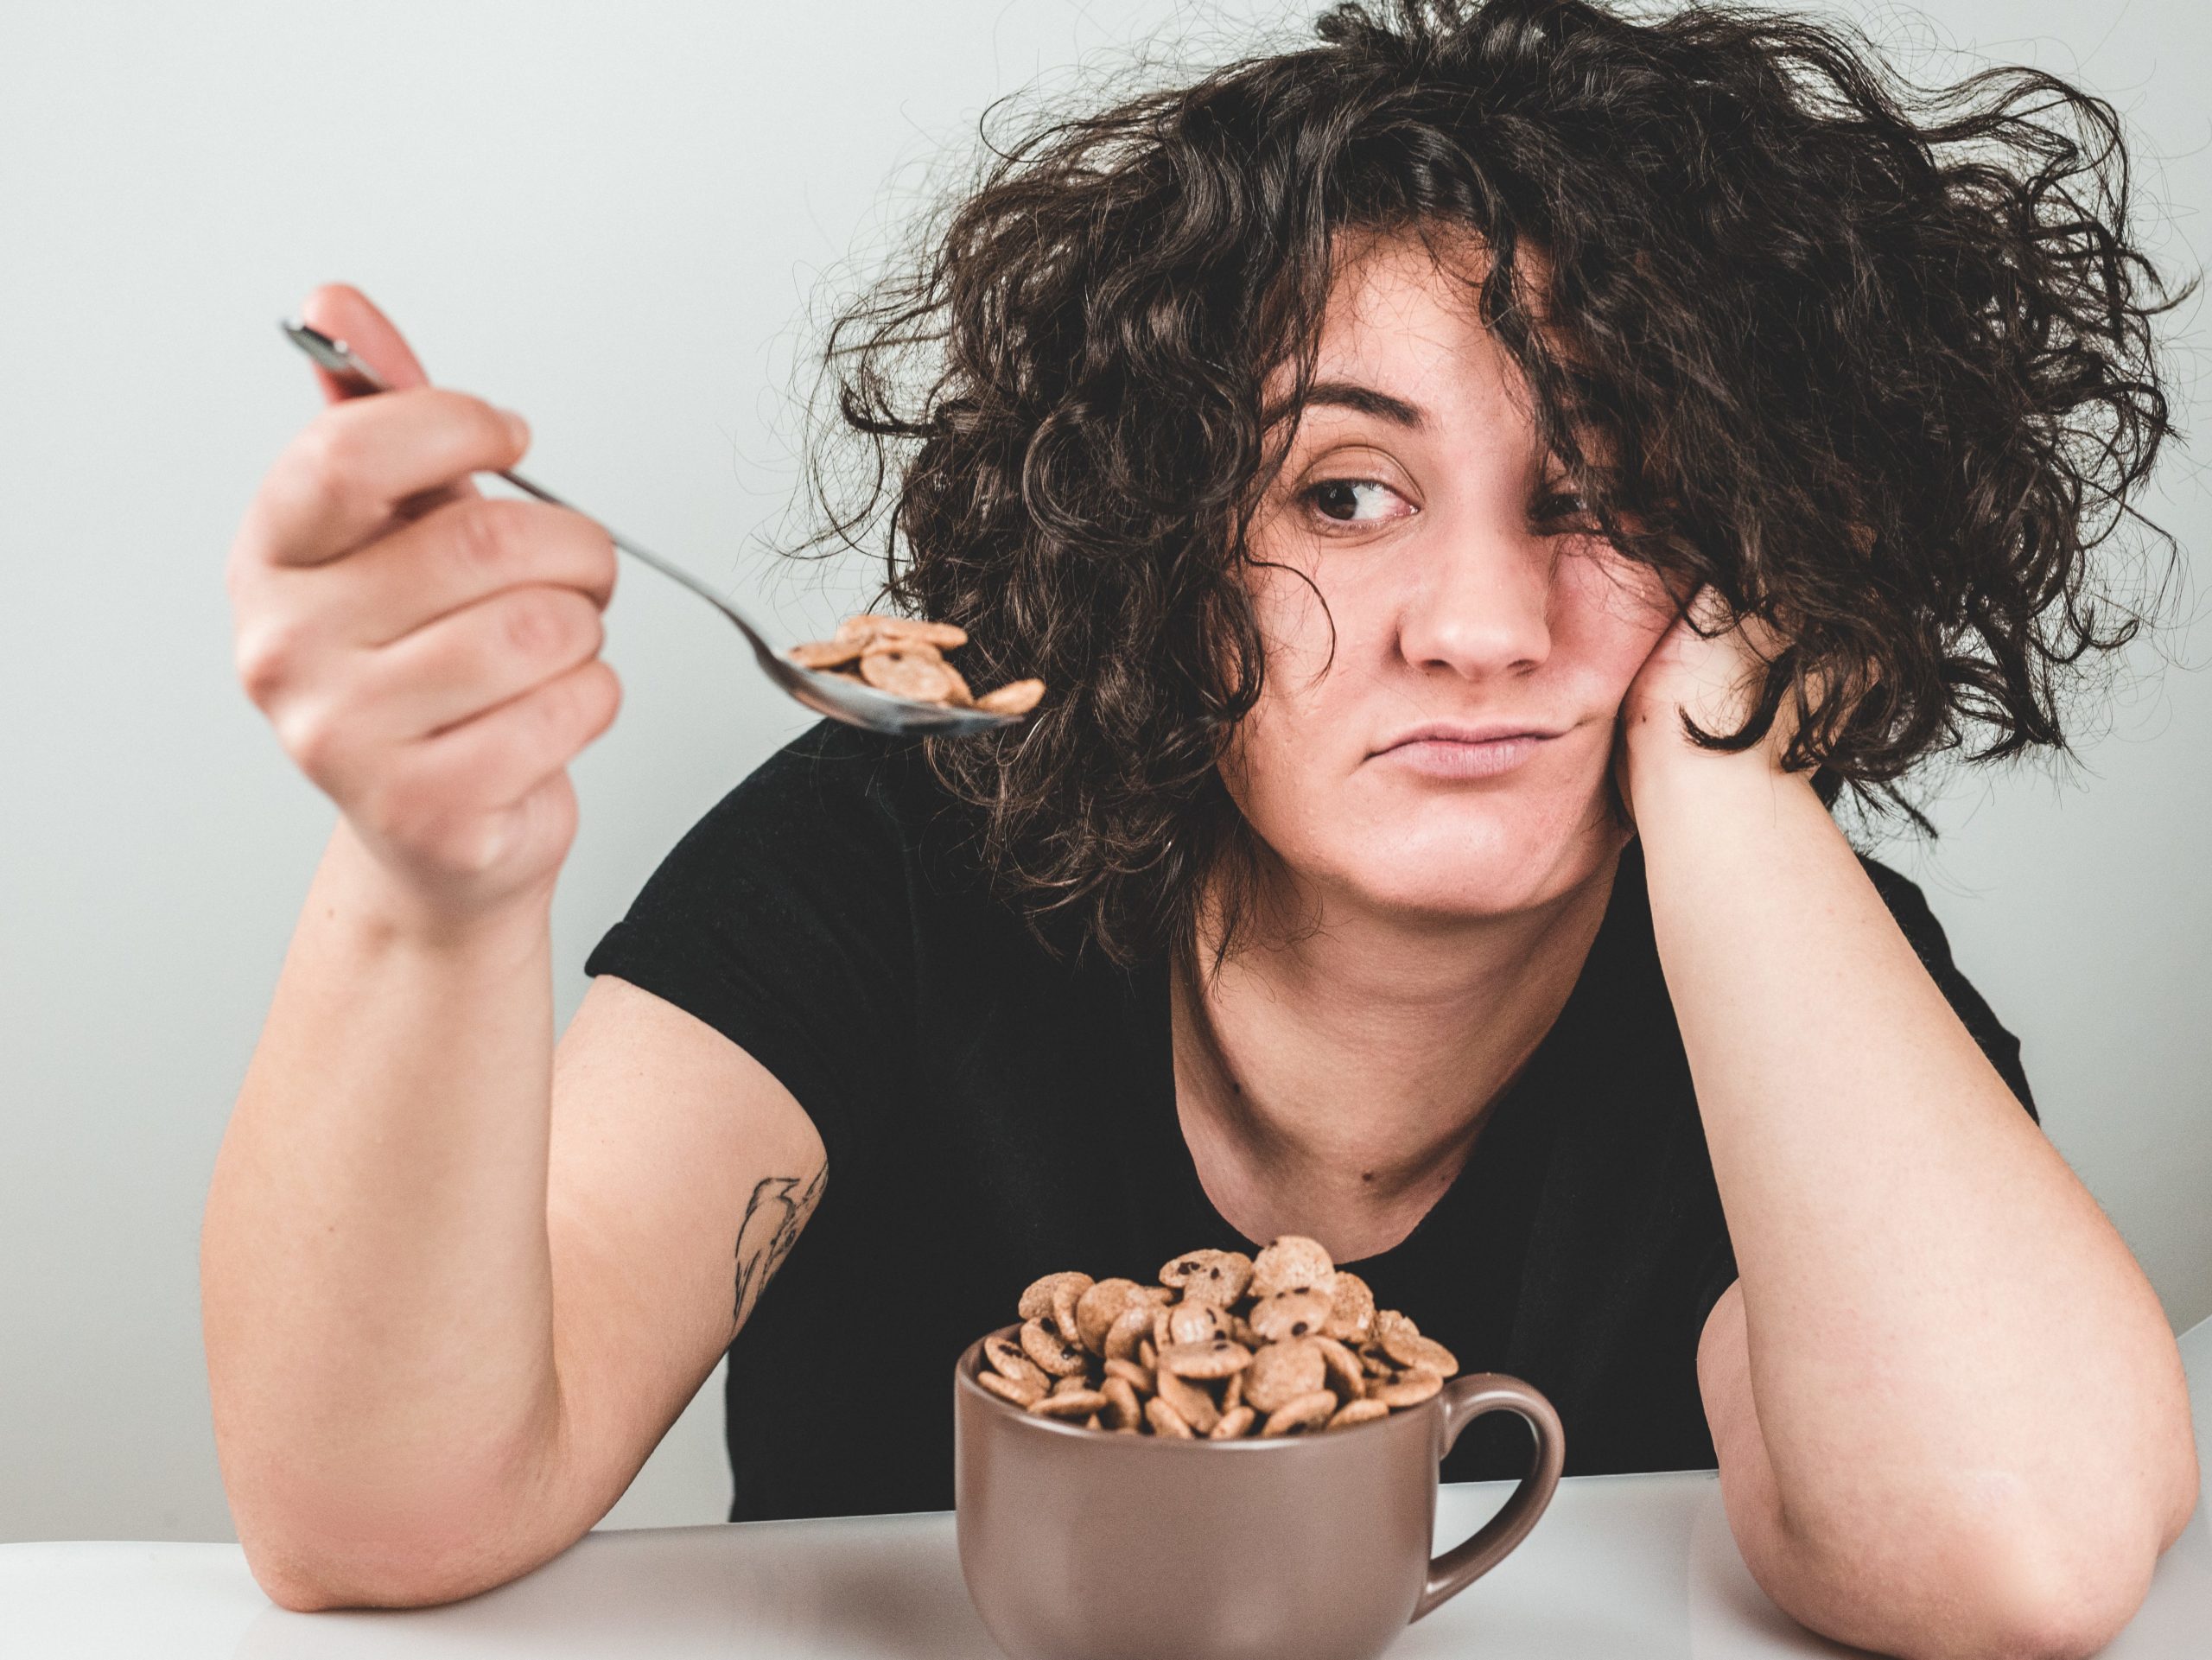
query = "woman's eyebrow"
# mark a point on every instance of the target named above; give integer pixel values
(1350, 395)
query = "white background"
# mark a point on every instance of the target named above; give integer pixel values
(618, 218)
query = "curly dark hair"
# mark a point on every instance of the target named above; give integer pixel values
(1872, 360)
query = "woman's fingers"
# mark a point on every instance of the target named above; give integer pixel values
(473, 660)
(454, 556)
(347, 314)
(344, 313)
(451, 797)
(344, 477)
(427, 657)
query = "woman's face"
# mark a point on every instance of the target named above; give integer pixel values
(1443, 752)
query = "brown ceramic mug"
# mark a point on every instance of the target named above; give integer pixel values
(1078, 1545)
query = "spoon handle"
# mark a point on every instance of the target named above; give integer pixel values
(357, 380)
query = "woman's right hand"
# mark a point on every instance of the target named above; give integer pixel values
(428, 656)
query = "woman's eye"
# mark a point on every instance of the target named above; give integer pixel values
(1356, 501)
(1560, 505)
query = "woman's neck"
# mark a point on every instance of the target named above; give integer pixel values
(1332, 1080)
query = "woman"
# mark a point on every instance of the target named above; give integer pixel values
(1477, 489)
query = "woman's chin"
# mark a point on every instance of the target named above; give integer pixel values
(1467, 854)
(1474, 896)
(1465, 879)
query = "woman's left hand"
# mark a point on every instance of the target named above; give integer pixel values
(1713, 679)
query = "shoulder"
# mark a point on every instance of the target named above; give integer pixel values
(860, 807)
(786, 917)
(833, 775)
(817, 854)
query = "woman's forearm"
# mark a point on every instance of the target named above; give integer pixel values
(1947, 1340)
(376, 1289)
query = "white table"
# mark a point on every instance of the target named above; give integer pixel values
(1621, 1567)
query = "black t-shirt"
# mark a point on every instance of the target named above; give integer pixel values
(993, 1112)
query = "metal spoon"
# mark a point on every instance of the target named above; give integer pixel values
(840, 699)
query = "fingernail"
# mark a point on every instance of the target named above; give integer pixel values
(518, 429)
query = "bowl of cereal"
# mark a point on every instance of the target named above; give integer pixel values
(1235, 1459)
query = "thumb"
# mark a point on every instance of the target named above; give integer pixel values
(344, 313)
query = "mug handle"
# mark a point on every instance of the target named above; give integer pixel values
(1465, 1400)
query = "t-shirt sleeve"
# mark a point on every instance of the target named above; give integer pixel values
(1918, 925)
(780, 920)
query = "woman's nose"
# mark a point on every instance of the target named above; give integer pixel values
(1480, 606)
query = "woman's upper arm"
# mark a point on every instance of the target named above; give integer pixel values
(679, 1175)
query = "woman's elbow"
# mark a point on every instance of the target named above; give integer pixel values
(1991, 1584)
(2079, 1589)
(2093, 1578)
(2063, 1603)
(315, 1583)
(2067, 1595)
(436, 1559)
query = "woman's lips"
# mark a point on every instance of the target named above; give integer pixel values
(1451, 755)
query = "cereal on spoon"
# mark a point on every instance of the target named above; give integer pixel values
(1224, 1347)
(905, 657)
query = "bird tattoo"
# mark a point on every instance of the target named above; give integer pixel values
(774, 1215)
